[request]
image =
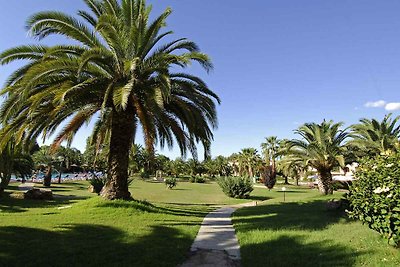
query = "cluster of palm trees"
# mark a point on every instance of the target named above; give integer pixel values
(122, 71)
(322, 147)
(119, 70)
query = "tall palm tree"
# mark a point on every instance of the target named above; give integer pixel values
(270, 151)
(321, 147)
(118, 72)
(376, 137)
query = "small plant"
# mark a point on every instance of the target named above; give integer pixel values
(200, 180)
(144, 174)
(375, 197)
(195, 179)
(97, 183)
(237, 187)
(170, 182)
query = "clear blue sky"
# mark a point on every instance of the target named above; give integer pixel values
(278, 63)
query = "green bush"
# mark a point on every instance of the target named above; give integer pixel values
(195, 179)
(237, 187)
(170, 182)
(97, 182)
(375, 197)
(144, 174)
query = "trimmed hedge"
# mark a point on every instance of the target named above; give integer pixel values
(237, 187)
(375, 197)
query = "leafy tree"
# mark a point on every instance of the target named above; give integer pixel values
(117, 71)
(321, 147)
(13, 161)
(373, 137)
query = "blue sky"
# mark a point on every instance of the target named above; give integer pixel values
(278, 63)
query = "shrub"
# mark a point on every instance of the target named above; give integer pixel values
(144, 174)
(170, 182)
(375, 197)
(97, 183)
(195, 179)
(237, 187)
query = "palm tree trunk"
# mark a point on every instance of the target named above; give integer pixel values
(325, 182)
(47, 177)
(3, 184)
(122, 130)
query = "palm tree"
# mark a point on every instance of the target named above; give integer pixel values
(120, 74)
(248, 160)
(374, 137)
(13, 161)
(291, 166)
(321, 148)
(270, 151)
(46, 158)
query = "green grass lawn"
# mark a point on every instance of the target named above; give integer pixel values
(301, 232)
(81, 229)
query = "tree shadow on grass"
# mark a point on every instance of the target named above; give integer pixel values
(91, 245)
(287, 216)
(10, 204)
(294, 251)
(177, 210)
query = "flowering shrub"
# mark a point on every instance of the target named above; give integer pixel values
(375, 197)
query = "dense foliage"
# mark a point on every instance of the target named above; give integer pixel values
(237, 187)
(375, 196)
(171, 182)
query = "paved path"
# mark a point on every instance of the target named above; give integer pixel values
(216, 243)
(25, 186)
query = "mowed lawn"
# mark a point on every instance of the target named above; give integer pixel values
(301, 232)
(81, 229)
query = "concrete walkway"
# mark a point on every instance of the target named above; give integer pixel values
(216, 243)
(25, 186)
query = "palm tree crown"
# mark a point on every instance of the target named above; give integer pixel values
(321, 147)
(376, 137)
(118, 72)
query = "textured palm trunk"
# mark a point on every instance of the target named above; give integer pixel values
(325, 182)
(47, 177)
(122, 131)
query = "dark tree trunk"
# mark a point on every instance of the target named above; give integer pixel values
(1, 191)
(122, 130)
(325, 182)
(59, 177)
(47, 177)
(286, 179)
